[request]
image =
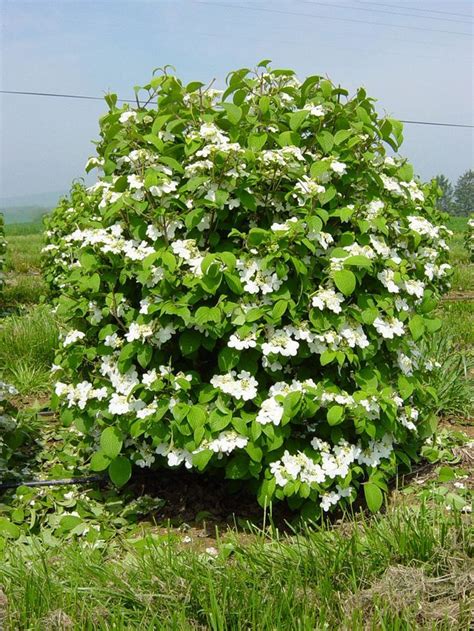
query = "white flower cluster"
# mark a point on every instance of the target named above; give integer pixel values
(80, 394)
(240, 386)
(328, 299)
(328, 464)
(256, 278)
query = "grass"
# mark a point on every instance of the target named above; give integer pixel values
(23, 290)
(27, 345)
(458, 321)
(24, 253)
(27, 228)
(453, 380)
(407, 569)
(462, 278)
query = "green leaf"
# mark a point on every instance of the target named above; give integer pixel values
(327, 357)
(416, 326)
(325, 140)
(228, 358)
(256, 236)
(111, 442)
(358, 260)
(99, 461)
(297, 118)
(9, 530)
(68, 522)
(234, 112)
(335, 414)
(197, 416)
(319, 168)
(373, 496)
(201, 459)
(264, 104)
(279, 309)
(189, 342)
(345, 281)
(288, 138)
(237, 467)
(120, 470)
(341, 135)
(257, 141)
(144, 355)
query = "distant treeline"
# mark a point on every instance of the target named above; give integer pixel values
(458, 199)
(24, 214)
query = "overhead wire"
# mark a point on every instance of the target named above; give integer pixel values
(394, 6)
(352, 8)
(98, 98)
(327, 17)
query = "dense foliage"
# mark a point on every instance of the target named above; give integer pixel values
(10, 436)
(246, 286)
(469, 240)
(464, 194)
(3, 249)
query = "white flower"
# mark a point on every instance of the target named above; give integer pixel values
(283, 227)
(225, 443)
(127, 116)
(270, 412)
(354, 336)
(164, 187)
(139, 332)
(72, 337)
(373, 209)
(135, 182)
(241, 343)
(414, 288)
(392, 185)
(280, 343)
(113, 340)
(256, 279)
(387, 278)
(329, 299)
(315, 110)
(149, 378)
(243, 387)
(340, 168)
(422, 226)
(389, 328)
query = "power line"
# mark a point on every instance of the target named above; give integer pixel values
(63, 96)
(394, 6)
(352, 8)
(327, 17)
(98, 98)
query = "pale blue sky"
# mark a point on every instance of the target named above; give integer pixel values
(414, 57)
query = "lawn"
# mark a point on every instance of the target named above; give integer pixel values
(170, 553)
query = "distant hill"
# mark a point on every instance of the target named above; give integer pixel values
(27, 208)
(23, 214)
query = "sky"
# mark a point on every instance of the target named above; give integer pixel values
(414, 57)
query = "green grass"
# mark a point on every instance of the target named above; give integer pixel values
(23, 290)
(404, 570)
(24, 253)
(453, 378)
(462, 278)
(32, 227)
(27, 344)
(458, 321)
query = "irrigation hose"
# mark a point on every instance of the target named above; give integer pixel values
(65, 481)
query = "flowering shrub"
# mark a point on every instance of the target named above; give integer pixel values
(10, 436)
(246, 285)
(469, 238)
(3, 249)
